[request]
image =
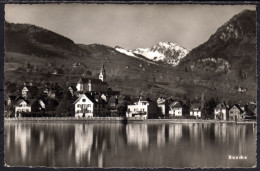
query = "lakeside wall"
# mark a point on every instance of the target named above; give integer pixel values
(118, 119)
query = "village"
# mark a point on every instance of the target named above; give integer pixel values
(90, 98)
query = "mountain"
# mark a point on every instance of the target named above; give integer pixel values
(216, 68)
(230, 51)
(165, 52)
(32, 40)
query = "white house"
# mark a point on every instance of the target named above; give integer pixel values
(141, 109)
(88, 106)
(221, 111)
(195, 110)
(175, 109)
(138, 109)
(28, 106)
(22, 106)
(84, 105)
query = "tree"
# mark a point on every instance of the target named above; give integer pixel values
(209, 107)
(66, 107)
(122, 108)
(11, 88)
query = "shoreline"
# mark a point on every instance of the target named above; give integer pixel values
(118, 119)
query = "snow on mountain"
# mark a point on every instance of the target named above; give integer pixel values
(130, 53)
(124, 51)
(166, 52)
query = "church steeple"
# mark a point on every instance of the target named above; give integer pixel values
(102, 74)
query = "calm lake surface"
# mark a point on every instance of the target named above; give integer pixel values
(57, 144)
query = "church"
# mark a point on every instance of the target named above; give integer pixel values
(93, 85)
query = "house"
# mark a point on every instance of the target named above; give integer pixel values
(175, 109)
(88, 105)
(235, 113)
(142, 109)
(195, 110)
(28, 106)
(221, 111)
(163, 106)
(27, 90)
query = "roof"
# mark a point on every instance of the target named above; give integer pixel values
(29, 102)
(91, 98)
(195, 105)
(221, 106)
(18, 102)
(175, 104)
(92, 80)
(238, 107)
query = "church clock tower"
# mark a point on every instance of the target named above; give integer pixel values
(102, 74)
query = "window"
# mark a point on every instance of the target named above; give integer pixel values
(83, 100)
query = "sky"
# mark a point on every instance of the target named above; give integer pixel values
(127, 26)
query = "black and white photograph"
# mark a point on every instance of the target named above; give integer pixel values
(130, 86)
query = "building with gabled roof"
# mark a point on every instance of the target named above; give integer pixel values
(143, 108)
(195, 110)
(28, 106)
(221, 111)
(88, 105)
(91, 84)
(175, 109)
(236, 113)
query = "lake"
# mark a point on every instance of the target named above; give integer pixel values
(175, 145)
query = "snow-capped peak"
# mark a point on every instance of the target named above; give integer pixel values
(166, 52)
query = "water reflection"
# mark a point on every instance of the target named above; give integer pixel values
(83, 141)
(175, 133)
(137, 134)
(132, 145)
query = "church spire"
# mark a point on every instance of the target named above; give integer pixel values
(102, 74)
